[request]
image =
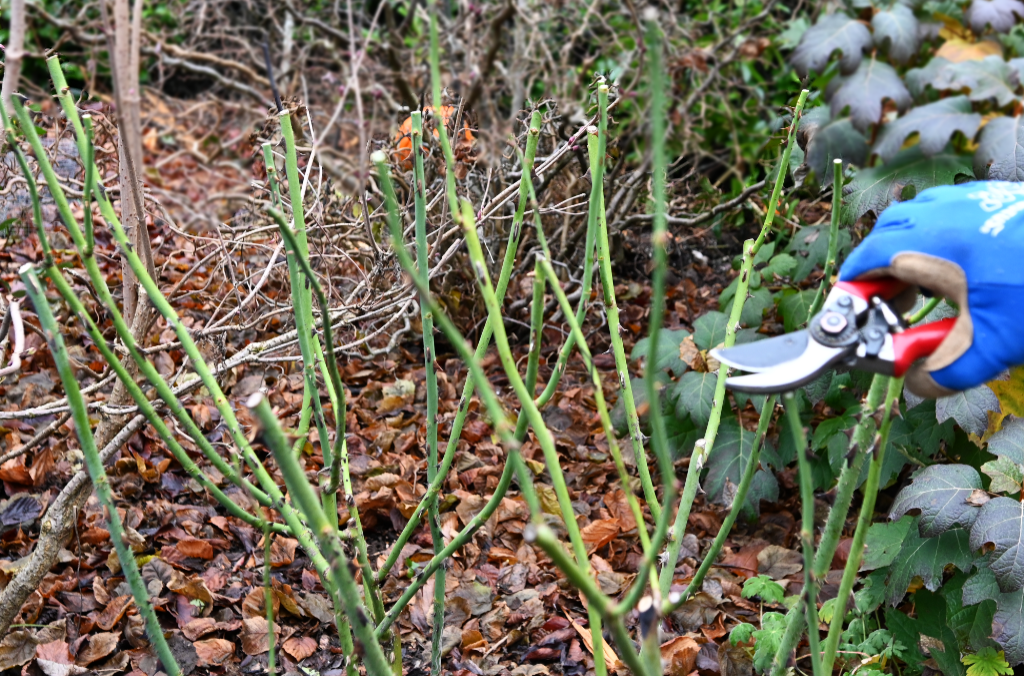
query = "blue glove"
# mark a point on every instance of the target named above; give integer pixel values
(966, 243)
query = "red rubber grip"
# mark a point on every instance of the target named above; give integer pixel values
(883, 287)
(918, 342)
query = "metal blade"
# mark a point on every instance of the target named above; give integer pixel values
(764, 355)
(792, 374)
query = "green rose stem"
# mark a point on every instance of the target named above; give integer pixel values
(495, 410)
(273, 495)
(867, 513)
(341, 453)
(145, 406)
(737, 506)
(668, 476)
(508, 263)
(99, 283)
(309, 345)
(463, 536)
(597, 156)
(305, 498)
(659, 234)
(268, 602)
(810, 594)
(97, 473)
(429, 366)
(833, 237)
(703, 448)
(848, 479)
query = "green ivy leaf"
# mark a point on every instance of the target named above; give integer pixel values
(997, 14)
(905, 630)
(989, 78)
(969, 408)
(681, 434)
(1000, 153)
(810, 248)
(668, 351)
(939, 493)
(884, 541)
(1009, 441)
(752, 314)
(696, 395)
(709, 330)
(896, 30)
(1000, 523)
(987, 662)
(832, 33)
(836, 140)
(935, 123)
(926, 558)
(876, 188)
(973, 624)
(872, 592)
(794, 307)
(928, 432)
(932, 614)
(762, 586)
(780, 266)
(831, 427)
(864, 91)
(728, 462)
(1006, 475)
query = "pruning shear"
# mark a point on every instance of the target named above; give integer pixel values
(857, 328)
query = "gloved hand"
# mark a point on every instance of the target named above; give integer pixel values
(965, 243)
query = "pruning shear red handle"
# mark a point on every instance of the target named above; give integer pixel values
(857, 328)
(909, 345)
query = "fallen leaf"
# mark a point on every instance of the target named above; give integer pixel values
(610, 658)
(679, 656)
(597, 534)
(194, 589)
(199, 627)
(54, 659)
(300, 647)
(114, 611)
(472, 639)
(778, 562)
(195, 548)
(255, 635)
(282, 551)
(100, 645)
(214, 651)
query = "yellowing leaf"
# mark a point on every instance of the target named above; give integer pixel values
(951, 28)
(957, 50)
(987, 662)
(610, 658)
(1010, 392)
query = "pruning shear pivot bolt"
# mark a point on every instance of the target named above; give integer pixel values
(857, 329)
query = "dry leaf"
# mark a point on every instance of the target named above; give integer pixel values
(214, 651)
(54, 659)
(679, 656)
(113, 613)
(300, 647)
(610, 658)
(195, 548)
(778, 562)
(254, 635)
(597, 534)
(100, 645)
(282, 551)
